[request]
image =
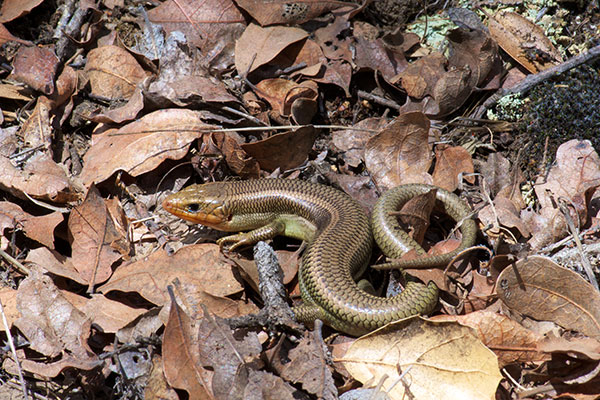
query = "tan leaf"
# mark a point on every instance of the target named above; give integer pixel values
(40, 178)
(181, 360)
(202, 274)
(8, 298)
(511, 342)
(53, 262)
(50, 323)
(40, 229)
(257, 46)
(419, 77)
(13, 9)
(400, 153)
(524, 41)
(157, 387)
(439, 360)
(285, 150)
(141, 145)
(36, 67)
(269, 12)
(211, 25)
(93, 232)
(352, 141)
(236, 158)
(545, 291)
(114, 73)
(6, 36)
(108, 314)
(37, 130)
(450, 163)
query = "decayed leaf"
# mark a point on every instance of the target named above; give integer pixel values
(511, 342)
(285, 150)
(524, 41)
(36, 67)
(108, 314)
(140, 146)
(573, 178)
(94, 236)
(50, 323)
(203, 274)
(211, 25)
(308, 366)
(269, 12)
(439, 360)
(13, 9)
(400, 153)
(37, 130)
(114, 73)
(373, 53)
(450, 163)
(181, 360)
(40, 178)
(352, 141)
(257, 46)
(545, 291)
(40, 229)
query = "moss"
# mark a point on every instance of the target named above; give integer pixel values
(559, 110)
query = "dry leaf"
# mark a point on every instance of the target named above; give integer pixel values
(269, 12)
(40, 229)
(285, 150)
(545, 291)
(140, 146)
(181, 359)
(524, 41)
(451, 162)
(13, 9)
(352, 141)
(257, 46)
(36, 67)
(511, 342)
(114, 73)
(93, 232)
(400, 153)
(439, 360)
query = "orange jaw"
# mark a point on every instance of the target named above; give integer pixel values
(210, 215)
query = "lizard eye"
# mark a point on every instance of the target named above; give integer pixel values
(193, 207)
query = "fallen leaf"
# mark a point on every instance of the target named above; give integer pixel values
(400, 153)
(257, 46)
(141, 145)
(13, 9)
(40, 228)
(8, 298)
(157, 387)
(93, 233)
(511, 342)
(270, 12)
(451, 162)
(545, 291)
(352, 141)
(181, 358)
(438, 360)
(285, 150)
(114, 73)
(36, 67)
(6, 36)
(524, 41)
(236, 158)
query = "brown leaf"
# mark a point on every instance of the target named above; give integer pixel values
(40, 178)
(50, 323)
(511, 342)
(476, 50)
(420, 77)
(270, 12)
(6, 36)
(400, 153)
(335, 45)
(8, 298)
(573, 178)
(93, 232)
(257, 46)
(352, 141)
(140, 146)
(282, 94)
(236, 158)
(114, 73)
(40, 229)
(450, 163)
(372, 53)
(285, 150)
(433, 356)
(524, 41)
(37, 130)
(157, 387)
(289, 262)
(585, 347)
(181, 359)
(204, 275)
(211, 25)
(308, 366)
(230, 357)
(541, 289)
(13, 9)
(36, 67)
(265, 385)
(55, 263)
(108, 314)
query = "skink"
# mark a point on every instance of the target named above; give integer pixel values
(339, 238)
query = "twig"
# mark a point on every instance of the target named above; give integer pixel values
(532, 80)
(24, 270)
(379, 100)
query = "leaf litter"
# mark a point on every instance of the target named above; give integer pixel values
(105, 292)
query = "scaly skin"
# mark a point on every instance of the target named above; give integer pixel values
(339, 238)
